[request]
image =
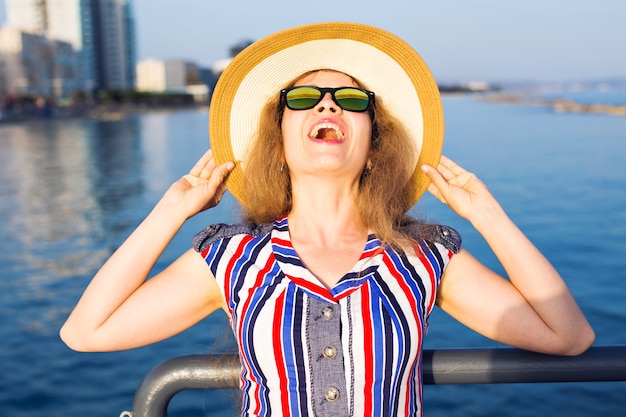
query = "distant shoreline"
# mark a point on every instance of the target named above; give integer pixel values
(119, 112)
(558, 105)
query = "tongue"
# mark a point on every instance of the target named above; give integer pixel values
(327, 134)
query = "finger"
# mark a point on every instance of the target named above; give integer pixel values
(445, 172)
(432, 189)
(219, 174)
(208, 169)
(452, 166)
(221, 189)
(216, 186)
(439, 186)
(202, 162)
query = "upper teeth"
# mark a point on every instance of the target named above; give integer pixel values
(333, 126)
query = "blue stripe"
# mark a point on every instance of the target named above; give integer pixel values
(411, 278)
(352, 280)
(249, 256)
(389, 360)
(214, 254)
(281, 225)
(372, 243)
(287, 349)
(294, 352)
(379, 358)
(434, 257)
(404, 337)
(288, 260)
(250, 318)
(247, 260)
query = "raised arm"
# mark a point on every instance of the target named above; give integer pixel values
(121, 309)
(531, 310)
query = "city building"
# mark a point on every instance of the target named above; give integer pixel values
(114, 42)
(101, 32)
(34, 65)
(171, 76)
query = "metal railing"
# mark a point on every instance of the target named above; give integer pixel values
(446, 366)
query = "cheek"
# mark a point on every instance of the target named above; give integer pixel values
(288, 137)
(290, 124)
(365, 131)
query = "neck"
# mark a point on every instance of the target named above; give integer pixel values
(321, 208)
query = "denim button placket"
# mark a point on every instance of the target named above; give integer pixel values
(328, 379)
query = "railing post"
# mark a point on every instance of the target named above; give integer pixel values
(183, 373)
(446, 366)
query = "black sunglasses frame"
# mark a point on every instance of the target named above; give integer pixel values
(323, 90)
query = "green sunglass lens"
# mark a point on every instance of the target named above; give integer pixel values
(303, 98)
(352, 99)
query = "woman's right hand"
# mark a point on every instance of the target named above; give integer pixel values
(202, 188)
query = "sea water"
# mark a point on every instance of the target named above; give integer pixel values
(72, 190)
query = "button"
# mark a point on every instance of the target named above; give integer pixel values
(212, 229)
(328, 312)
(331, 394)
(330, 352)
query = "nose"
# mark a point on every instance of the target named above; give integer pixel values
(327, 103)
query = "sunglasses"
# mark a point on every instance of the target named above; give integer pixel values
(306, 97)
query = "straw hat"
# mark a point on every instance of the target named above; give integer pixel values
(383, 62)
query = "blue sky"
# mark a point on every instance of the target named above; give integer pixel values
(461, 40)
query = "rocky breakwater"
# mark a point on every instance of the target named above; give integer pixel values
(559, 105)
(568, 106)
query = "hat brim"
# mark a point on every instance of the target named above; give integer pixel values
(383, 62)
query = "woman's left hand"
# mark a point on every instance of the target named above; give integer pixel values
(461, 190)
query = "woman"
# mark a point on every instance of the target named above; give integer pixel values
(329, 284)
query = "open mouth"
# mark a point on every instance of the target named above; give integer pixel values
(326, 131)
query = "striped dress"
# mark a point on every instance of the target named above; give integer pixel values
(354, 350)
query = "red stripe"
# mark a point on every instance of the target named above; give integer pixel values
(410, 297)
(229, 268)
(431, 302)
(344, 294)
(431, 275)
(278, 353)
(368, 340)
(243, 311)
(312, 287)
(281, 242)
(227, 291)
(372, 252)
(402, 282)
